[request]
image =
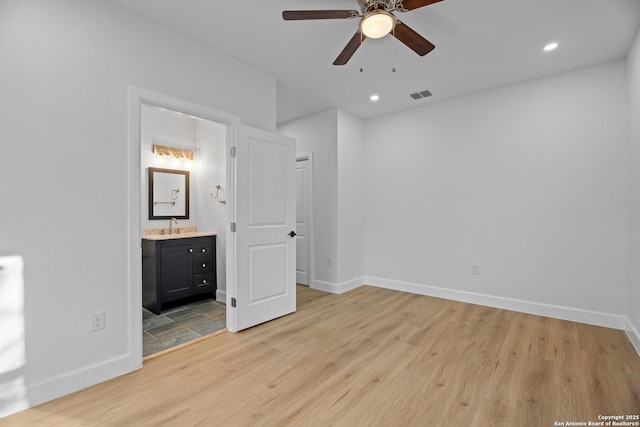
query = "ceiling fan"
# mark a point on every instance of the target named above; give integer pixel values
(376, 21)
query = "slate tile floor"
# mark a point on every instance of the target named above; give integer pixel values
(181, 324)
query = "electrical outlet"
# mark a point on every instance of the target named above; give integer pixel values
(97, 321)
(475, 268)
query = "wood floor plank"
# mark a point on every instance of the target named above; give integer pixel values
(371, 357)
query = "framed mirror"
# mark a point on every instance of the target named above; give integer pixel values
(168, 194)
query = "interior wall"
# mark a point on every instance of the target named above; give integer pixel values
(528, 181)
(66, 71)
(351, 213)
(212, 171)
(633, 73)
(337, 140)
(318, 133)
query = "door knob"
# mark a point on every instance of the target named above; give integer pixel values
(292, 234)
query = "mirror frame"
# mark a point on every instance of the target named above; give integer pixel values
(185, 174)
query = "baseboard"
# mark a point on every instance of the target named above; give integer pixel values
(548, 310)
(221, 296)
(337, 288)
(634, 335)
(70, 382)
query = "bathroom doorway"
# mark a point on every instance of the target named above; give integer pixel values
(200, 147)
(253, 157)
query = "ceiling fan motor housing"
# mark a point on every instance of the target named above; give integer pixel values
(370, 5)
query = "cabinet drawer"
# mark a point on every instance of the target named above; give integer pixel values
(202, 266)
(202, 252)
(203, 282)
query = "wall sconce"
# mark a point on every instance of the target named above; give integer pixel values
(180, 156)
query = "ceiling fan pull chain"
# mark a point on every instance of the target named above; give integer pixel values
(361, 53)
(393, 48)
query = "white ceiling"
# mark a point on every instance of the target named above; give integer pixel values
(479, 45)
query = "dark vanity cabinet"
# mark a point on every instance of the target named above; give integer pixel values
(177, 268)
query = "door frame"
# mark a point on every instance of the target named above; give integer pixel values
(137, 97)
(308, 155)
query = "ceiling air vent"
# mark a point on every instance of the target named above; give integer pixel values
(422, 94)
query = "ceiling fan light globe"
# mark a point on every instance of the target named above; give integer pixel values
(377, 24)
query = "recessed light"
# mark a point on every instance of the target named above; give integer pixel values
(550, 47)
(374, 97)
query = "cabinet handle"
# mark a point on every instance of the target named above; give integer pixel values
(204, 250)
(204, 265)
(190, 250)
(204, 281)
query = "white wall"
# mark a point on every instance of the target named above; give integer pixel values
(633, 73)
(66, 69)
(336, 139)
(350, 200)
(212, 170)
(529, 181)
(318, 133)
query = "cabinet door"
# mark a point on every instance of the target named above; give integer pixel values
(176, 273)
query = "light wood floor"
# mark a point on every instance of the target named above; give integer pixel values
(372, 357)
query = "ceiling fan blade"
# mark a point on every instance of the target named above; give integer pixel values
(415, 4)
(296, 15)
(413, 40)
(350, 48)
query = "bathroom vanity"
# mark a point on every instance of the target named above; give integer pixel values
(177, 266)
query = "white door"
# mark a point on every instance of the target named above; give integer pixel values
(265, 244)
(303, 181)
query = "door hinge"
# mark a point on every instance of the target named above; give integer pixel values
(233, 227)
(233, 152)
(233, 302)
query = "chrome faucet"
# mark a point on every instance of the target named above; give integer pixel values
(171, 222)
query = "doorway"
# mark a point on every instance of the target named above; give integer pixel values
(226, 125)
(256, 160)
(185, 319)
(304, 219)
